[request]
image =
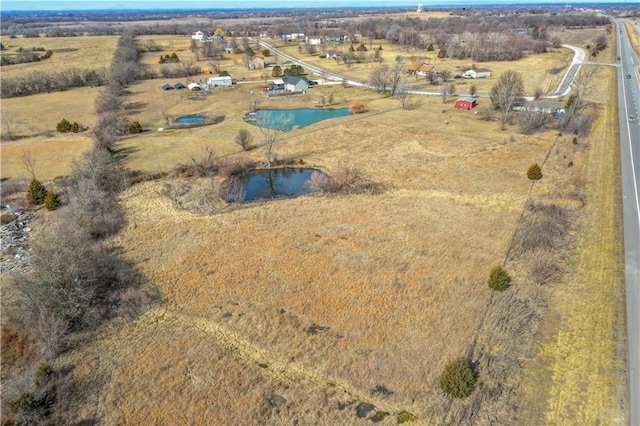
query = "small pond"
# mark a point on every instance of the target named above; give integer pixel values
(287, 119)
(191, 119)
(274, 183)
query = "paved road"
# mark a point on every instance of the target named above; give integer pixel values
(565, 85)
(628, 107)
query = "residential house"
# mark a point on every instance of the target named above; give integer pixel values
(556, 109)
(419, 68)
(426, 70)
(256, 63)
(466, 103)
(198, 35)
(295, 84)
(314, 40)
(335, 54)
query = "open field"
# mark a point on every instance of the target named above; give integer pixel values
(68, 52)
(385, 273)
(295, 310)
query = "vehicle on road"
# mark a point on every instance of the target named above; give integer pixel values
(628, 76)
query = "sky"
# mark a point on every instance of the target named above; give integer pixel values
(218, 4)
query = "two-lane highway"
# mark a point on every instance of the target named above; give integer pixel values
(628, 111)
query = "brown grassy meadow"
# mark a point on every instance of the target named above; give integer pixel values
(385, 273)
(68, 52)
(397, 279)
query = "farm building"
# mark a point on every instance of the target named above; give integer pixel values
(466, 103)
(219, 81)
(167, 87)
(195, 87)
(477, 73)
(178, 86)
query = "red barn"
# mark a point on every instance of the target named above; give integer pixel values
(466, 103)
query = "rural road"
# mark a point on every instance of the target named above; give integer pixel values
(628, 111)
(563, 88)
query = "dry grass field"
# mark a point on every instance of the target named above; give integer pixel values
(293, 311)
(68, 52)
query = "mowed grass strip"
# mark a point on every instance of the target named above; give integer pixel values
(579, 373)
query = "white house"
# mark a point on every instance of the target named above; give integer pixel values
(477, 73)
(198, 35)
(219, 81)
(314, 40)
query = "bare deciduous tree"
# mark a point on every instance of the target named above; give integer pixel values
(271, 129)
(244, 139)
(473, 90)
(505, 93)
(28, 162)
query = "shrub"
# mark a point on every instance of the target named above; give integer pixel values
(64, 126)
(499, 280)
(379, 416)
(52, 201)
(358, 107)
(36, 192)
(75, 127)
(406, 417)
(135, 127)
(224, 74)
(534, 172)
(457, 379)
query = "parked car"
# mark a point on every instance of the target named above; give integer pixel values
(313, 82)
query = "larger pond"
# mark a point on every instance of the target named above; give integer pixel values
(275, 183)
(287, 119)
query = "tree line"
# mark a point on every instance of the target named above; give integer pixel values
(76, 281)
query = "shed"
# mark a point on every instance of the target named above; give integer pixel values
(466, 103)
(194, 87)
(178, 85)
(167, 87)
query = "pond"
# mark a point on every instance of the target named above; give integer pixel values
(287, 119)
(191, 119)
(274, 183)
